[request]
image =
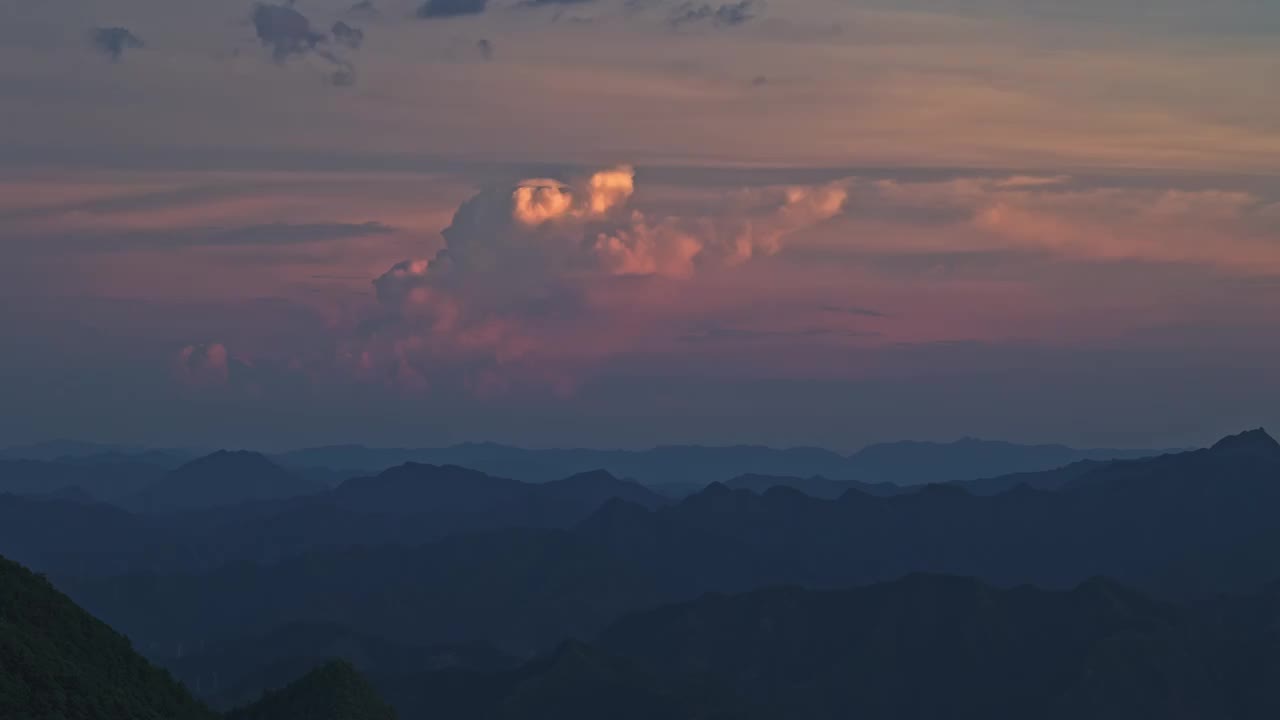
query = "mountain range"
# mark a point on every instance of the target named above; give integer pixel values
(1171, 523)
(678, 469)
(924, 646)
(1102, 589)
(240, 507)
(681, 468)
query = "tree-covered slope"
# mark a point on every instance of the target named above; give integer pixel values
(57, 662)
(333, 691)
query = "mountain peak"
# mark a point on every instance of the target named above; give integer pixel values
(591, 477)
(333, 691)
(1249, 441)
(225, 477)
(230, 458)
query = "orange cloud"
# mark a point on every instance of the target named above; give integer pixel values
(478, 307)
(540, 200)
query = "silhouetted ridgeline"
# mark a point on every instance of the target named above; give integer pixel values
(410, 504)
(925, 646)
(679, 468)
(242, 507)
(332, 691)
(1173, 523)
(459, 594)
(691, 466)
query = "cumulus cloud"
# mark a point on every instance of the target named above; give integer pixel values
(289, 34)
(212, 367)
(451, 8)
(723, 15)
(203, 365)
(676, 246)
(523, 265)
(284, 30)
(350, 36)
(114, 41)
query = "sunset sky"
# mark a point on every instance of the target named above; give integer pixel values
(635, 222)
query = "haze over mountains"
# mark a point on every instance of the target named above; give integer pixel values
(673, 469)
(905, 463)
(455, 593)
(925, 646)
(639, 360)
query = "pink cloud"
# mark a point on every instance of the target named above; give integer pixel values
(202, 365)
(544, 283)
(545, 278)
(1222, 229)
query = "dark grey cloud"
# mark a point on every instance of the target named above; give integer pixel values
(724, 15)
(288, 33)
(285, 30)
(485, 47)
(451, 8)
(344, 71)
(114, 41)
(349, 35)
(343, 77)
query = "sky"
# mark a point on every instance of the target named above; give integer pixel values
(622, 223)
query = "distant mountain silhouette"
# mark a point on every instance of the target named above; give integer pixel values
(71, 537)
(112, 481)
(407, 505)
(575, 682)
(677, 464)
(1055, 479)
(1256, 442)
(413, 488)
(59, 449)
(333, 691)
(922, 647)
(56, 661)
(1204, 573)
(935, 647)
(815, 487)
(1249, 459)
(768, 596)
(919, 463)
(524, 590)
(589, 490)
(516, 590)
(71, 493)
(236, 672)
(222, 478)
(167, 459)
(451, 498)
(692, 466)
